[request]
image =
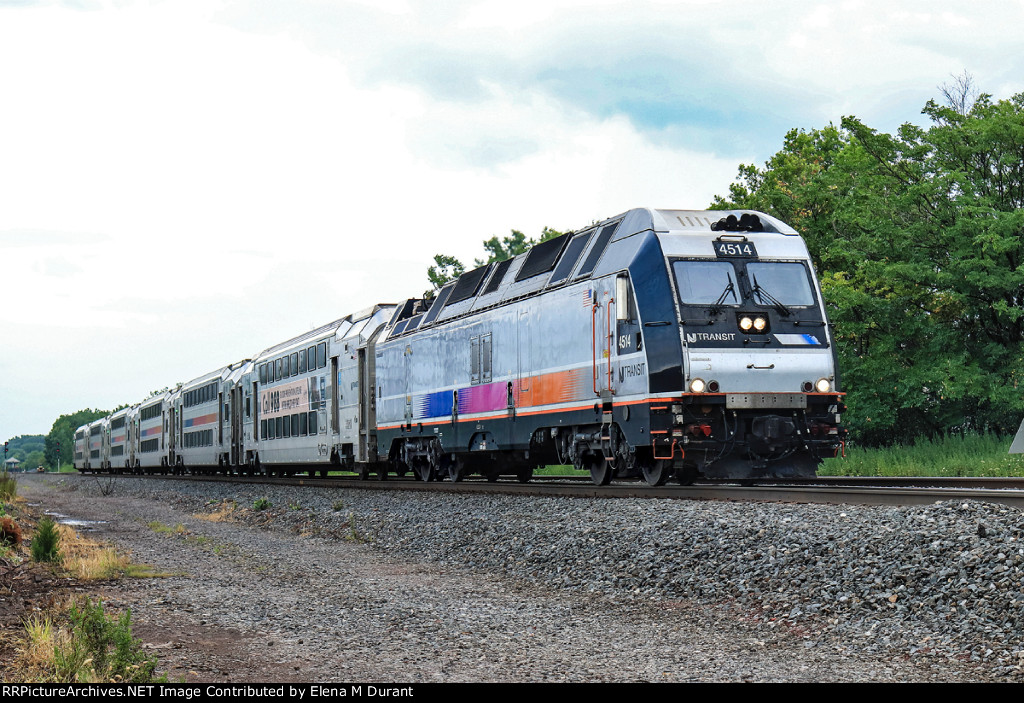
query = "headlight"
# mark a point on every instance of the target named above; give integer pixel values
(760, 323)
(697, 385)
(823, 385)
(746, 323)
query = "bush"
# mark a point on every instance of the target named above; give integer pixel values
(101, 649)
(45, 542)
(10, 533)
(261, 504)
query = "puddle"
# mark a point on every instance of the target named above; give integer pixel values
(72, 522)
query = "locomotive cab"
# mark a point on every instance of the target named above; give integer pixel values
(760, 393)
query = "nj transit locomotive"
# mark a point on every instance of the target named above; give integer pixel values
(658, 343)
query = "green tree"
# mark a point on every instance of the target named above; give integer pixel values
(63, 431)
(447, 268)
(917, 237)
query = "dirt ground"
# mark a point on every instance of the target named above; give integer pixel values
(187, 652)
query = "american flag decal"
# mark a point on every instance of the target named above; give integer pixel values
(588, 298)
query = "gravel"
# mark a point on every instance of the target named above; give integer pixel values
(349, 584)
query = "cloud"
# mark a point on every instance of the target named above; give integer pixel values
(715, 76)
(215, 177)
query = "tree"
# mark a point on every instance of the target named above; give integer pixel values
(447, 268)
(63, 431)
(917, 237)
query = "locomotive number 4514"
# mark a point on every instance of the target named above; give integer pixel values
(735, 249)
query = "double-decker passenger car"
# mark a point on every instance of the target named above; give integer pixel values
(119, 442)
(307, 391)
(202, 412)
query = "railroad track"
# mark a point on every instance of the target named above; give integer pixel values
(833, 490)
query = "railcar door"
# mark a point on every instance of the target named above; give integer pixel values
(236, 425)
(526, 356)
(602, 329)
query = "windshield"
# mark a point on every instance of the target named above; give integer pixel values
(706, 282)
(780, 282)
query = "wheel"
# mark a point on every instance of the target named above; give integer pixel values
(425, 471)
(456, 470)
(524, 474)
(657, 471)
(363, 471)
(687, 475)
(600, 470)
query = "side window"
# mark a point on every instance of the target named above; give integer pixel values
(278, 367)
(302, 360)
(311, 358)
(480, 359)
(286, 367)
(485, 358)
(321, 355)
(474, 360)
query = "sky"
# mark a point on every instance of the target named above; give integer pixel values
(184, 183)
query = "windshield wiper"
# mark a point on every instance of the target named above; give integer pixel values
(772, 300)
(729, 288)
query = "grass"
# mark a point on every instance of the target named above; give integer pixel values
(221, 511)
(162, 529)
(90, 560)
(79, 643)
(970, 455)
(8, 486)
(354, 533)
(555, 470)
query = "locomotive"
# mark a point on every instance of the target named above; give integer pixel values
(662, 344)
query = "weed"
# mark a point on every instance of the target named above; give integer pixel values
(338, 506)
(9, 554)
(46, 541)
(220, 513)
(106, 483)
(353, 532)
(294, 506)
(261, 504)
(100, 648)
(10, 532)
(88, 559)
(41, 640)
(162, 529)
(8, 486)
